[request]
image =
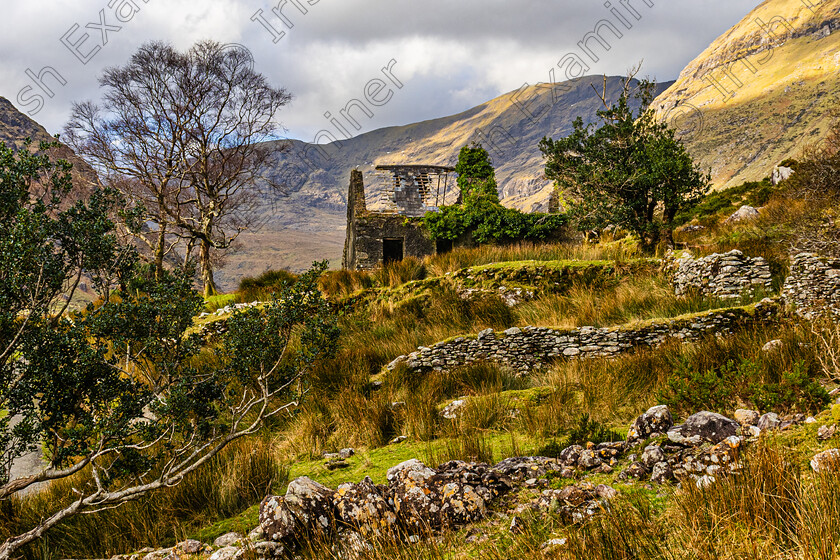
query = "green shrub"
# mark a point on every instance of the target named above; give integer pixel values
(486, 221)
(744, 383)
(717, 205)
(796, 390)
(585, 431)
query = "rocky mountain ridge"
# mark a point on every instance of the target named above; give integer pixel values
(761, 92)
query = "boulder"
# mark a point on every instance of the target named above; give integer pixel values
(228, 539)
(570, 455)
(661, 473)
(576, 503)
(269, 549)
(416, 500)
(482, 476)
(276, 519)
(826, 432)
(190, 546)
(453, 410)
(652, 455)
(746, 417)
(780, 174)
(310, 502)
(656, 421)
(454, 494)
(773, 346)
(769, 421)
(703, 427)
(364, 509)
(826, 461)
(636, 469)
(743, 214)
(589, 459)
(609, 451)
(605, 492)
(227, 553)
(460, 505)
(705, 481)
(523, 468)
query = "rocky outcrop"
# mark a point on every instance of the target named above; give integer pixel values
(528, 348)
(419, 500)
(813, 286)
(780, 173)
(725, 276)
(364, 508)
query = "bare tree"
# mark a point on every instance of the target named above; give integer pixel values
(185, 137)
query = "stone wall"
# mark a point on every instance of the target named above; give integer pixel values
(724, 276)
(531, 347)
(813, 285)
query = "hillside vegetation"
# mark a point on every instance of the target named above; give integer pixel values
(354, 402)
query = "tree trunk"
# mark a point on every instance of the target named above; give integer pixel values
(188, 253)
(667, 233)
(160, 248)
(207, 269)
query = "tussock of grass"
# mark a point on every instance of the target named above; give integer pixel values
(636, 298)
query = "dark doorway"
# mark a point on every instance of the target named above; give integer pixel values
(392, 250)
(443, 246)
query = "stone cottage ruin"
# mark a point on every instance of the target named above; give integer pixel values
(395, 232)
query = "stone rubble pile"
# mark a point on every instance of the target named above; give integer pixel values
(527, 348)
(419, 501)
(724, 276)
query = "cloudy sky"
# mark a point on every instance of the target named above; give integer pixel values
(449, 55)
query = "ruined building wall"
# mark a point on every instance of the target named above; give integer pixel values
(363, 246)
(725, 276)
(813, 285)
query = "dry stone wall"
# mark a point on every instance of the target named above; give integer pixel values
(813, 285)
(724, 276)
(531, 347)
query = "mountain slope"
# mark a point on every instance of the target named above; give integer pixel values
(309, 222)
(761, 92)
(15, 127)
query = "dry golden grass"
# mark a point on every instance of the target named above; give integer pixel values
(238, 477)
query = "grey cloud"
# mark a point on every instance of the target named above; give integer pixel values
(451, 55)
